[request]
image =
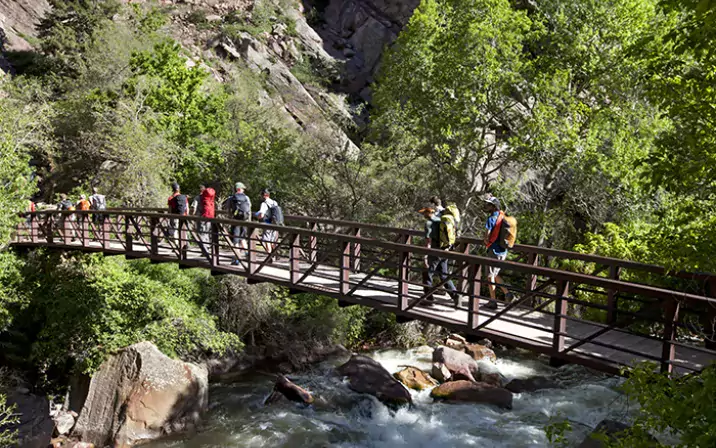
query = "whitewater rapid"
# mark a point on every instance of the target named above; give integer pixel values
(344, 419)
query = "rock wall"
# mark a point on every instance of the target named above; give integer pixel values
(18, 19)
(358, 31)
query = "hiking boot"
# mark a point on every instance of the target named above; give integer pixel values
(509, 297)
(429, 303)
(236, 262)
(455, 300)
(491, 306)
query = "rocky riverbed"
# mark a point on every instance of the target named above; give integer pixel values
(342, 415)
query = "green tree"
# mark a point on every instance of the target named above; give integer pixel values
(444, 93)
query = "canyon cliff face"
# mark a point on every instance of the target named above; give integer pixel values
(18, 19)
(358, 31)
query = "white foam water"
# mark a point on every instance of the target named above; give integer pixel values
(342, 418)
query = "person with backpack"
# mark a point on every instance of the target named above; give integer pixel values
(178, 205)
(239, 207)
(207, 210)
(497, 246)
(97, 202)
(435, 239)
(270, 213)
(66, 205)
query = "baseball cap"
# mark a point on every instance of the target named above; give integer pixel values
(240, 185)
(175, 186)
(494, 201)
(265, 191)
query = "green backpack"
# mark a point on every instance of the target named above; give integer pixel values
(449, 223)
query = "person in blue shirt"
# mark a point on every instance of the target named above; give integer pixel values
(494, 250)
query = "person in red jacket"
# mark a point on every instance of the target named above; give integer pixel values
(207, 207)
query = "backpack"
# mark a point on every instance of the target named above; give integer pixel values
(508, 232)
(448, 227)
(275, 215)
(99, 201)
(452, 210)
(66, 205)
(181, 206)
(240, 207)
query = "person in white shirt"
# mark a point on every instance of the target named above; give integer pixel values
(268, 237)
(437, 205)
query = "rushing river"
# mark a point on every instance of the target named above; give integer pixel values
(341, 418)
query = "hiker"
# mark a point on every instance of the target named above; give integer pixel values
(83, 205)
(30, 209)
(269, 213)
(178, 205)
(239, 207)
(66, 205)
(436, 204)
(97, 202)
(206, 210)
(435, 236)
(494, 250)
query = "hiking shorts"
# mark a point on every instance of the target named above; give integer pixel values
(269, 236)
(494, 271)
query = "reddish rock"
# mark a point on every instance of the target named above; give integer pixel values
(470, 392)
(480, 352)
(460, 364)
(291, 391)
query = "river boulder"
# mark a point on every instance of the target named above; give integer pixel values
(291, 391)
(440, 372)
(612, 430)
(470, 392)
(460, 364)
(521, 385)
(35, 425)
(414, 378)
(367, 376)
(480, 352)
(140, 394)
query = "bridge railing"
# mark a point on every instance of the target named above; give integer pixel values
(570, 323)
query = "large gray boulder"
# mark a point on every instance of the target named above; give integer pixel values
(612, 430)
(35, 426)
(140, 394)
(367, 376)
(460, 364)
(520, 385)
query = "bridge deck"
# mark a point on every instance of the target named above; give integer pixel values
(521, 326)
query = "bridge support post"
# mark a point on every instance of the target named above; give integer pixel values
(33, 228)
(671, 315)
(127, 234)
(464, 283)
(49, 228)
(355, 251)
(214, 249)
(474, 290)
(403, 271)
(84, 232)
(183, 240)
(345, 267)
(294, 256)
(614, 272)
(532, 259)
(104, 230)
(251, 264)
(313, 244)
(153, 237)
(709, 317)
(560, 322)
(65, 224)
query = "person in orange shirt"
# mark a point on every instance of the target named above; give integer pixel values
(83, 203)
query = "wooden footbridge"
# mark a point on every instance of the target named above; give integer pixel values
(590, 318)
